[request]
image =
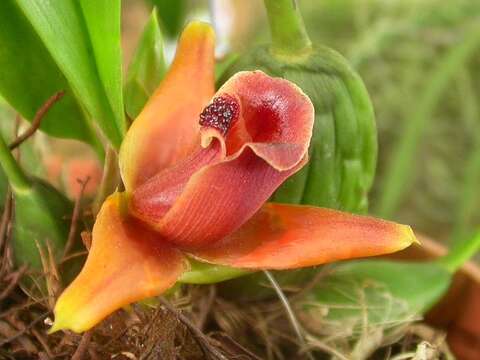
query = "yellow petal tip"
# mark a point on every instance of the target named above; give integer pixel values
(198, 32)
(199, 27)
(409, 237)
(58, 325)
(68, 316)
(64, 324)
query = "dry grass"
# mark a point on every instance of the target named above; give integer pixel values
(201, 322)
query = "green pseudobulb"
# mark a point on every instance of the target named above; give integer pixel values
(343, 148)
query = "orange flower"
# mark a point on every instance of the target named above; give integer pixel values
(196, 187)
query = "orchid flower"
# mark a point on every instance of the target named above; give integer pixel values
(198, 168)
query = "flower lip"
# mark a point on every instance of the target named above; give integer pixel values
(221, 113)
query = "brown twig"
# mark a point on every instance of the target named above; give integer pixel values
(6, 355)
(15, 278)
(203, 316)
(83, 346)
(6, 216)
(113, 339)
(9, 329)
(155, 316)
(73, 256)
(240, 350)
(20, 307)
(75, 217)
(27, 328)
(43, 356)
(203, 342)
(50, 272)
(5, 233)
(37, 119)
(41, 339)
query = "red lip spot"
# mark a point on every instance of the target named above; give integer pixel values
(221, 113)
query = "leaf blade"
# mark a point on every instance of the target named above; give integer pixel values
(63, 30)
(103, 23)
(147, 68)
(24, 60)
(377, 292)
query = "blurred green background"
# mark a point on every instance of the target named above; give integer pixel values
(420, 61)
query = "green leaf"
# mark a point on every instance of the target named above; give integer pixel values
(29, 76)
(222, 65)
(83, 38)
(375, 293)
(172, 15)
(41, 218)
(42, 222)
(461, 252)
(103, 23)
(30, 158)
(147, 68)
(204, 273)
(41, 213)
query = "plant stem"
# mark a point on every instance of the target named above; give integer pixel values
(16, 177)
(289, 36)
(461, 253)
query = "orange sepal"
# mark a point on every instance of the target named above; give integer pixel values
(126, 263)
(290, 236)
(167, 129)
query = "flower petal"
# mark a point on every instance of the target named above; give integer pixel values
(126, 263)
(172, 183)
(290, 236)
(261, 128)
(167, 129)
(275, 120)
